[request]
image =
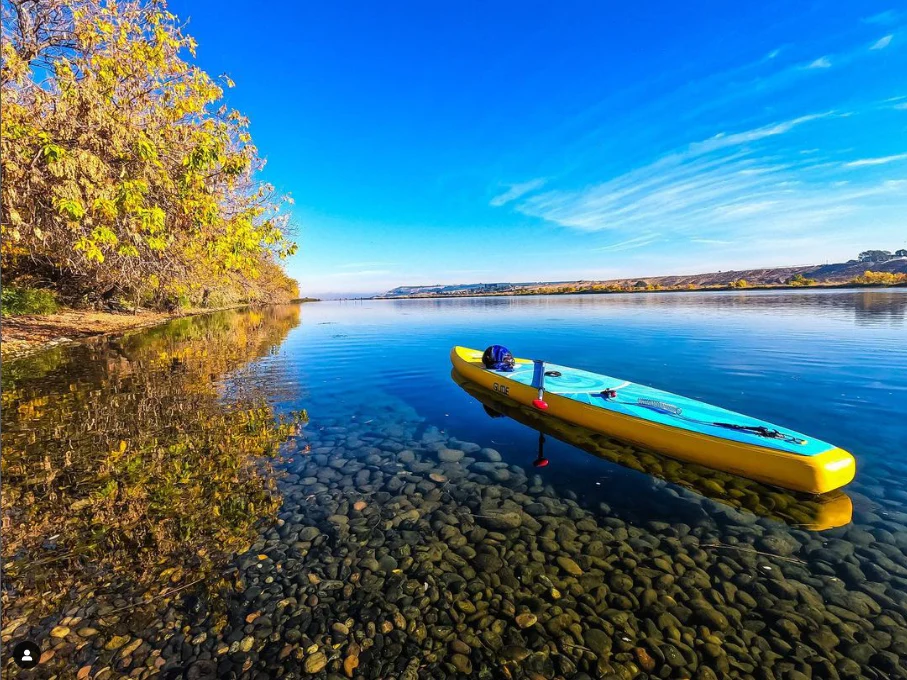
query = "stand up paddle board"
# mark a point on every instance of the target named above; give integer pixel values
(683, 428)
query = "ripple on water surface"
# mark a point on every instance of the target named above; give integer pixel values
(410, 536)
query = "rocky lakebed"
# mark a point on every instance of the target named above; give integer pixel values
(402, 552)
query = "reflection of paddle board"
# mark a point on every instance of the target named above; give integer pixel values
(679, 427)
(817, 513)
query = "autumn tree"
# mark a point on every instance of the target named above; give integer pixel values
(880, 278)
(800, 280)
(124, 173)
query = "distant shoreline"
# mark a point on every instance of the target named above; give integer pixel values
(710, 289)
(854, 273)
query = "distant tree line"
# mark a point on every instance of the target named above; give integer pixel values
(125, 175)
(880, 255)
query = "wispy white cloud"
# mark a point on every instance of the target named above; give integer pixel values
(777, 75)
(751, 185)
(722, 140)
(516, 191)
(882, 43)
(744, 209)
(881, 160)
(901, 107)
(728, 187)
(788, 76)
(630, 244)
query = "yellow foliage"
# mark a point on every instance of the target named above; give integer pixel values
(880, 278)
(121, 163)
(123, 469)
(800, 280)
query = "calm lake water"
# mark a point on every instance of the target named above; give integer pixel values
(307, 491)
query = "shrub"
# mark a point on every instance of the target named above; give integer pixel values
(880, 278)
(800, 280)
(16, 301)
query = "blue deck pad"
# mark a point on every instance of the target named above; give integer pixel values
(586, 387)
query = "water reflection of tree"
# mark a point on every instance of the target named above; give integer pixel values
(873, 307)
(126, 469)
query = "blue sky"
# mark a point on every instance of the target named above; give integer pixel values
(518, 141)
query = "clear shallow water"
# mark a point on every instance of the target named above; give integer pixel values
(831, 364)
(677, 573)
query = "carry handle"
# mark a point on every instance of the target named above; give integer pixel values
(538, 380)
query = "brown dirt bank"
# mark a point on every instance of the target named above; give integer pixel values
(28, 333)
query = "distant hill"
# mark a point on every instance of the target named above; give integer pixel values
(821, 274)
(456, 289)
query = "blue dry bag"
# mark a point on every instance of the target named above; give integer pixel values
(498, 358)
